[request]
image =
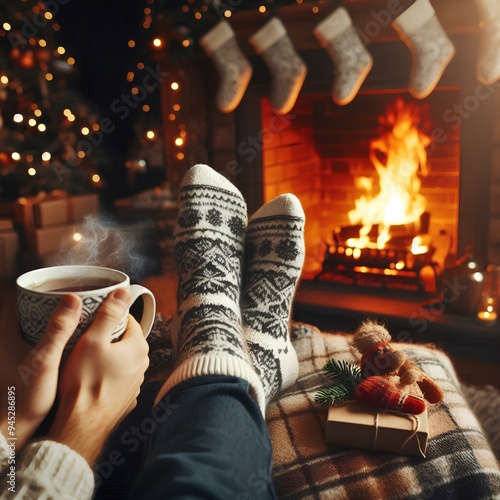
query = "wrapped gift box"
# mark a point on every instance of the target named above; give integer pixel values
(48, 218)
(59, 208)
(358, 426)
(56, 207)
(52, 211)
(84, 205)
(9, 250)
(52, 239)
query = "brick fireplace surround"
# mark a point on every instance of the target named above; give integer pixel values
(265, 155)
(465, 122)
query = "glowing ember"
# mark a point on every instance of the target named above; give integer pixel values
(400, 159)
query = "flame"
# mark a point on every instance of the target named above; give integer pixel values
(400, 159)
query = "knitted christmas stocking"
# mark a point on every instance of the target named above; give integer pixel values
(234, 69)
(287, 69)
(352, 62)
(488, 64)
(274, 256)
(419, 28)
(209, 244)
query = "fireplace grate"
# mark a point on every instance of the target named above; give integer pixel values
(398, 263)
(390, 267)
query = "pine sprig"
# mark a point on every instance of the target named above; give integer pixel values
(341, 371)
(331, 395)
(345, 377)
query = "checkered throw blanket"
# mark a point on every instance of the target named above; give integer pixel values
(459, 463)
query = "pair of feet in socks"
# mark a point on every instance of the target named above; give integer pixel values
(236, 285)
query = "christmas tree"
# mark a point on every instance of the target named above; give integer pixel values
(50, 136)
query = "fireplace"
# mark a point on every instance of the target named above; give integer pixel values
(381, 199)
(321, 151)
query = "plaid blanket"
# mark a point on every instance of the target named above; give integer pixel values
(459, 463)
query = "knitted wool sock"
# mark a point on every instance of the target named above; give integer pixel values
(488, 63)
(209, 244)
(274, 256)
(233, 67)
(351, 59)
(431, 49)
(287, 69)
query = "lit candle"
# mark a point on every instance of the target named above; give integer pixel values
(489, 313)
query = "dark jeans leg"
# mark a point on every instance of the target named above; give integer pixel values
(211, 442)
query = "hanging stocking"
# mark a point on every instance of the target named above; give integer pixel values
(419, 28)
(352, 62)
(287, 69)
(488, 64)
(234, 69)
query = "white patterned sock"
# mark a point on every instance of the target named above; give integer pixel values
(232, 66)
(209, 245)
(488, 63)
(287, 69)
(419, 28)
(274, 255)
(352, 62)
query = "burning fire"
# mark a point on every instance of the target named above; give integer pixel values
(400, 159)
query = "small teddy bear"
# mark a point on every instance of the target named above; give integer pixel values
(389, 380)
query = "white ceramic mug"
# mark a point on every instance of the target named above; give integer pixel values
(39, 292)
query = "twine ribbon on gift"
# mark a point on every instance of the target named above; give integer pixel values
(413, 431)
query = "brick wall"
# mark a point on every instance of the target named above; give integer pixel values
(291, 164)
(322, 148)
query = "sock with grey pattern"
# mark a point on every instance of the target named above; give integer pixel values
(274, 255)
(232, 66)
(419, 28)
(351, 59)
(209, 245)
(288, 70)
(488, 63)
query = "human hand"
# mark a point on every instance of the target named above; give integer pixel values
(35, 380)
(100, 381)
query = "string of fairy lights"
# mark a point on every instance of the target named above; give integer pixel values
(46, 127)
(63, 126)
(188, 22)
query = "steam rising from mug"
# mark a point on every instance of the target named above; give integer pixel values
(128, 247)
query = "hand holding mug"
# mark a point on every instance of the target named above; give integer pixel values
(100, 381)
(34, 383)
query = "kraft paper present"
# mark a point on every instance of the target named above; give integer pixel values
(83, 205)
(356, 425)
(32, 214)
(9, 250)
(52, 239)
(52, 211)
